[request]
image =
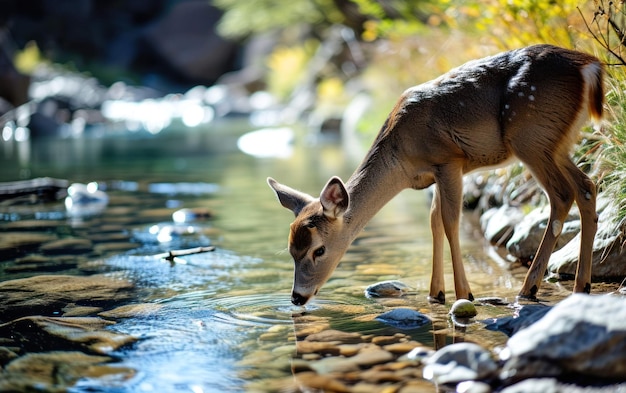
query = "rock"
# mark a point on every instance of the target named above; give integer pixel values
(524, 317)
(551, 385)
(497, 223)
(390, 288)
(459, 362)
(322, 383)
(419, 354)
(463, 308)
(473, 387)
(49, 294)
(404, 318)
(43, 189)
(70, 245)
(6, 355)
(56, 371)
(132, 311)
(609, 256)
(528, 233)
(336, 335)
(582, 335)
(15, 243)
(37, 333)
(322, 348)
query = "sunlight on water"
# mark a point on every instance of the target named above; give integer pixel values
(225, 319)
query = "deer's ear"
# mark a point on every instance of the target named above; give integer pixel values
(291, 199)
(334, 198)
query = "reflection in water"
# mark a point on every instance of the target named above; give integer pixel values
(226, 321)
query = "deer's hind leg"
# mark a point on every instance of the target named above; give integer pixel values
(585, 196)
(553, 173)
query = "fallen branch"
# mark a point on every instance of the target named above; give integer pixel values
(173, 255)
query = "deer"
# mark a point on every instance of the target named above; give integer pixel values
(526, 104)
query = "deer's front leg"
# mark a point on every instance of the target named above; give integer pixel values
(450, 194)
(437, 284)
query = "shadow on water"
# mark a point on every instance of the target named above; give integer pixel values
(223, 319)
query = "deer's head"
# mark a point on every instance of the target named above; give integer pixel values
(317, 239)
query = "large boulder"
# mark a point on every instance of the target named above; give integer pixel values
(609, 254)
(582, 335)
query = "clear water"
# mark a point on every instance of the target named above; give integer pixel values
(225, 321)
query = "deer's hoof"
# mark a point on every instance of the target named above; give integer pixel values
(440, 298)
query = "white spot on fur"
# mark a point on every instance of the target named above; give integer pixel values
(588, 196)
(556, 227)
(533, 88)
(531, 97)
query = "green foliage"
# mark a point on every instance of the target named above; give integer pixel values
(613, 157)
(244, 17)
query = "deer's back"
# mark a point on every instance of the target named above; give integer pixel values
(472, 112)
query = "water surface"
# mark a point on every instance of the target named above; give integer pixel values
(224, 321)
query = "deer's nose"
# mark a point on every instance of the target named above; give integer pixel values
(298, 299)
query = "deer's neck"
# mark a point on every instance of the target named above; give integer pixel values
(375, 182)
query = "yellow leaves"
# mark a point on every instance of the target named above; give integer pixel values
(26, 60)
(287, 68)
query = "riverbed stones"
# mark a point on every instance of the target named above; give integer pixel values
(88, 334)
(70, 245)
(582, 335)
(56, 371)
(459, 362)
(391, 288)
(49, 294)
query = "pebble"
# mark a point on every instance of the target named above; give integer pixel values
(463, 308)
(386, 289)
(459, 362)
(404, 318)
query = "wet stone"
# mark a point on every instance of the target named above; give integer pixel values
(402, 348)
(72, 310)
(42, 263)
(404, 318)
(38, 333)
(132, 311)
(49, 294)
(67, 246)
(14, 243)
(463, 308)
(336, 335)
(459, 362)
(324, 383)
(322, 348)
(386, 289)
(56, 371)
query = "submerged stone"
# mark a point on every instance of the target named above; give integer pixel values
(404, 318)
(67, 246)
(49, 294)
(56, 371)
(37, 333)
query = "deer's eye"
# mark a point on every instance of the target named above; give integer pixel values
(319, 252)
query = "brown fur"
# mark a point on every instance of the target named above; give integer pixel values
(527, 104)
